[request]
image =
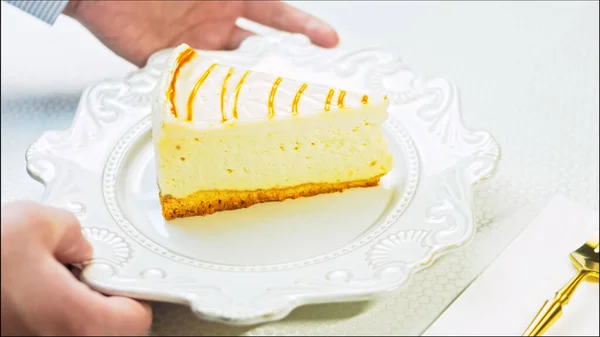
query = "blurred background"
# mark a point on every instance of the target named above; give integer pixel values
(480, 45)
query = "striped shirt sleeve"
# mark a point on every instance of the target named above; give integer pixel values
(45, 10)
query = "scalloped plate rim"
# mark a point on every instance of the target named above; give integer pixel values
(304, 299)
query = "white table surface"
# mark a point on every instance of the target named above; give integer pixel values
(528, 73)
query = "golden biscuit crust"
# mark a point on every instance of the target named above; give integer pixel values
(212, 201)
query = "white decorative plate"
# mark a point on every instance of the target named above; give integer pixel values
(257, 264)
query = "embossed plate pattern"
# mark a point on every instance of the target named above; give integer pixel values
(256, 265)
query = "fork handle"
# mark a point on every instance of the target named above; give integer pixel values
(552, 309)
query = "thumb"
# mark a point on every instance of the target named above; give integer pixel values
(68, 243)
(57, 230)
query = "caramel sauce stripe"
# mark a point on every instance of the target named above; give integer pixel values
(223, 93)
(297, 99)
(328, 99)
(341, 98)
(238, 88)
(191, 98)
(182, 59)
(365, 99)
(271, 104)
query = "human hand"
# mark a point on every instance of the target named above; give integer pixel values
(136, 29)
(39, 295)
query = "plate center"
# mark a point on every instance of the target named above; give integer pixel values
(264, 234)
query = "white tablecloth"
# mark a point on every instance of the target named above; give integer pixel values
(505, 298)
(528, 73)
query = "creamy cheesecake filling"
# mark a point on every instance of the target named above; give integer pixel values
(280, 154)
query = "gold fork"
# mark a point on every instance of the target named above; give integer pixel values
(585, 258)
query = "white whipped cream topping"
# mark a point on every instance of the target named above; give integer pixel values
(252, 99)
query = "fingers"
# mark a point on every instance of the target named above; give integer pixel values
(127, 315)
(56, 303)
(284, 17)
(41, 294)
(237, 37)
(71, 245)
(114, 315)
(56, 229)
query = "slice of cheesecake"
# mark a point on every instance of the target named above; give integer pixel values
(227, 138)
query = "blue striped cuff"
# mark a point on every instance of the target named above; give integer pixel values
(45, 10)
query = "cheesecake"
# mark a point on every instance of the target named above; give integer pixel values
(227, 138)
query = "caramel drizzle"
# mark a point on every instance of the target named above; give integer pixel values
(365, 99)
(341, 98)
(190, 101)
(329, 98)
(297, 99)
(223, 91)
(183, 58)
(238, 88)
(272, 97)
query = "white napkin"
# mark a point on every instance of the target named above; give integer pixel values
(510, 292)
